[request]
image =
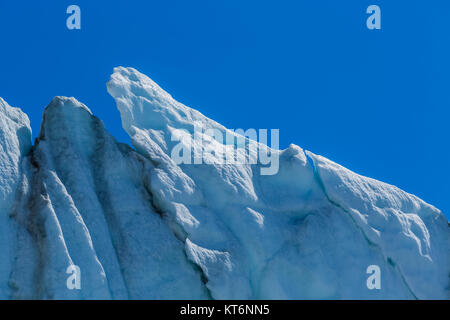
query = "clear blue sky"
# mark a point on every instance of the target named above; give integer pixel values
(376, 102)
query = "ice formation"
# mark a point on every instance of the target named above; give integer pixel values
(141, 226)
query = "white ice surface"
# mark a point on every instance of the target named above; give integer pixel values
(140, 226)
(15, 142)
(309, 231)
(87, 205)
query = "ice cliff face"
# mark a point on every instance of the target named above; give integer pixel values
(86, 202)
(141, 226)
(15, 142)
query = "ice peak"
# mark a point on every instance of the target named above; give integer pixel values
(144, 104)
(13, 114)
(292, 150)
(65, 117)
(67, 103)
(15, 125)
(131, 74)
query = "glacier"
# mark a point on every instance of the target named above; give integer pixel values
(139, 225)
